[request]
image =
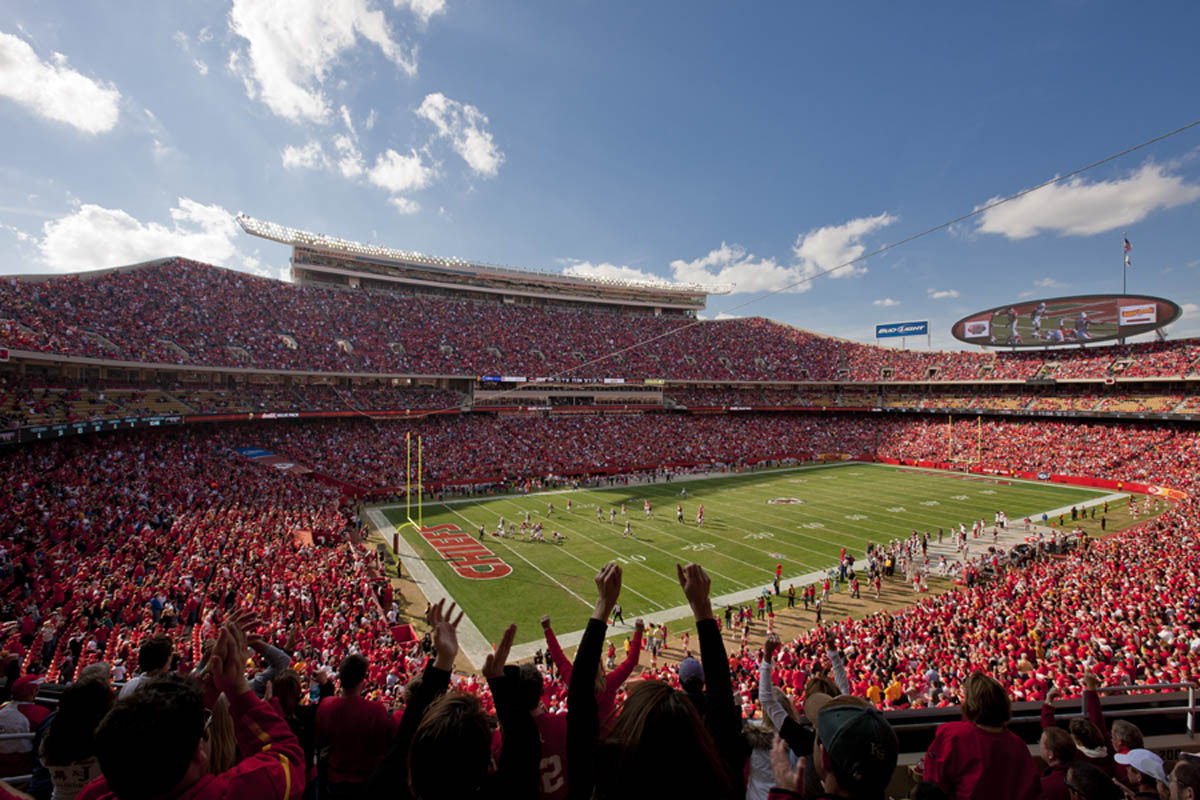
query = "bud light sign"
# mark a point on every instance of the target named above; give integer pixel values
(902, 329)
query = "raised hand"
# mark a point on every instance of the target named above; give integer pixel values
(771, 646)
(640, 625)
(696, 586)
(785, 777)
(545, 622)
(608, 590)
(493, 665)
(227, 664)
(444, 626)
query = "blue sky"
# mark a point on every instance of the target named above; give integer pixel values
(743, 144)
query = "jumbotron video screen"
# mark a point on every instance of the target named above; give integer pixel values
(1080, 319)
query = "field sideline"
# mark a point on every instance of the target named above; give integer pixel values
(746, 532)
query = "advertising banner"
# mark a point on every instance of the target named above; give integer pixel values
(894, 329)
(1138, 314)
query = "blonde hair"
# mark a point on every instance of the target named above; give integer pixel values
(222, 741)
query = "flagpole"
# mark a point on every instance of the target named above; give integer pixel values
(1124, 260)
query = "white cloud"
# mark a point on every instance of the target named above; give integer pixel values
(292, 47)
(404, 206)
(825, 248)
(1050, 283)
(466, 128)
(817, 251)
(54, 90)
(732, 265)
(942, 294)
(370, 123)
(309, 156)
(93, 237)
(1188, 323)
(586, 269)
(1081, 208)
(22, 236)
(399, 174)
(886, 302)
(349, 123)
(350, 160)
(200, 66)
(423, 9)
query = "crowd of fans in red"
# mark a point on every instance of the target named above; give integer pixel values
(108, 541)
(485, 449)
(169, 313)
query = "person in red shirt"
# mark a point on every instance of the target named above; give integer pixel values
(551, 729)
(155, 742)
(978, 758)
(24, 692)
(357, 731)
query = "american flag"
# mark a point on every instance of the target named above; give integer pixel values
(1128, 246)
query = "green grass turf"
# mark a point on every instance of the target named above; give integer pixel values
(741, 541)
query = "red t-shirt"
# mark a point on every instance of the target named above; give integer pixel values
(970, 763)
(358, 733)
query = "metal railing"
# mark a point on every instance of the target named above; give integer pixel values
(1149, 691)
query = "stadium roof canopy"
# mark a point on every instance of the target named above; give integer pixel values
(333, 255)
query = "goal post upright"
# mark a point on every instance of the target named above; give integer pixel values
(419, 522)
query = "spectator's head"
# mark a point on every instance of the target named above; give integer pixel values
(450, 750)
(25, 688)
(1086, 735)
(819, 684)
(856, 749)
(99, 671)
(154, 655)
(286, 688)
(984, 701)
(1143, 767)
(1088, 782)
(1185, 780)
(1126, 735)
(82, 705)
(1057, 746)
(659, 725)
(352, 672)
(691, 675)
(529, 687)
(153, 742)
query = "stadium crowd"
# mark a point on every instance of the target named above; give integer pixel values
(151, 556)
(167, 313)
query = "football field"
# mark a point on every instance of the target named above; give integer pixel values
(800, 518)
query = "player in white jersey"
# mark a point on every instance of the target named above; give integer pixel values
(612, 515)
(628, 532)
(683, 492)
(1035, 320)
